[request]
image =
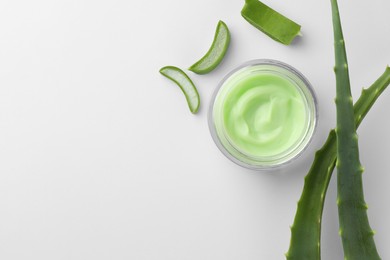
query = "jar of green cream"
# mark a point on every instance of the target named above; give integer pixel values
(263, 114)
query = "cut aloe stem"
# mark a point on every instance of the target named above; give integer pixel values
(355, 231)
(306, 230)
(216, 52)
(270, 22)
(186, 85)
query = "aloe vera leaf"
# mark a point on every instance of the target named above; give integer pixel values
(270, 22)
(216, 53)
(306, 230)
(355, 231)
(186, 85)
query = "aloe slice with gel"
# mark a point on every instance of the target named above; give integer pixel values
(186, 85)
(216, 52)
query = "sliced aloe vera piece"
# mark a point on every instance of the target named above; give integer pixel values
(185, 83)
(270, 22)
(216, 52)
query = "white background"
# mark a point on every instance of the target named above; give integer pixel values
(100, 157)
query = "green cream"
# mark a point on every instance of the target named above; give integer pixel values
(262, 113)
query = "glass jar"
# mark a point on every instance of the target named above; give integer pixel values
(263, 114)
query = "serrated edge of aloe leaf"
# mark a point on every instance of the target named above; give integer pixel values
(216, 52)
(194, 107)
(306, 230)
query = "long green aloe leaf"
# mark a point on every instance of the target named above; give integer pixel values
(306, 230)
(355, 231)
